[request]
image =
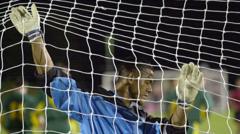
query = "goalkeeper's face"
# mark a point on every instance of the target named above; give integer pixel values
(142, 88)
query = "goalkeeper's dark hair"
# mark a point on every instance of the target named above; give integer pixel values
(130, 65)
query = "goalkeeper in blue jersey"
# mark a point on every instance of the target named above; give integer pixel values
(102, 111)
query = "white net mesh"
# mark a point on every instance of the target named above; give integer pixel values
(90, 37)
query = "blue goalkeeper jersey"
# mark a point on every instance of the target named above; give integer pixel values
(101, 113)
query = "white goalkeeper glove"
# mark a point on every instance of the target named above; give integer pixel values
(27, 24)
(189, 82)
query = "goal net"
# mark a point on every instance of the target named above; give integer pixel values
(88, 38)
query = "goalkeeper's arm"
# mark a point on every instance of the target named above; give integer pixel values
(41, 56)
(28, 24)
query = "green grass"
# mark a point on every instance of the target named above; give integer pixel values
(218, 124)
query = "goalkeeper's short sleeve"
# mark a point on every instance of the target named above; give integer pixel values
(69, 98)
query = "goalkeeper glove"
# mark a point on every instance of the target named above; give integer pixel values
(189, 82)
(27, 24)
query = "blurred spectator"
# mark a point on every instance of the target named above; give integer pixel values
(29, 110)
(2, 129)
(235, 103)
(197, 113)
(17, 106)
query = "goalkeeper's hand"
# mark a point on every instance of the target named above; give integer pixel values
(27, 24)
(189, 82)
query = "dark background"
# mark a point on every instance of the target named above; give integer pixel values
(210, 41)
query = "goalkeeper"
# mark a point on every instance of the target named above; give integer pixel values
(105, 112)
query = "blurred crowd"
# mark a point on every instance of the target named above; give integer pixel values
(29, 110)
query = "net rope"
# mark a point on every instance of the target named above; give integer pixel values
(150, 27)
